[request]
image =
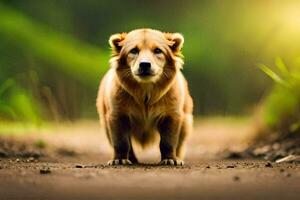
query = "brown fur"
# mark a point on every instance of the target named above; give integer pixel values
(133, 107)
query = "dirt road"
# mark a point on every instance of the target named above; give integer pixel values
(73, 168)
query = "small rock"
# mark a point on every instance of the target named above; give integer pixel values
(268, 164)
(236, 178)
(208, 167)
(17, 160)
(79, 166)
(230, 166)
(30, 159)
(45, 171)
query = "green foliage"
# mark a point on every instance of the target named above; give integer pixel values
(272, 74)
(5, 108)
(282, 106)
(50, 49)
(17, 104)
(25, 106)
(77, 59)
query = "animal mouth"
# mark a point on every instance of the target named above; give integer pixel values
(145, 74)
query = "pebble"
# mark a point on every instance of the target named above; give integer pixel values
(45, 171)
(230, 166)
(30, 159)
(268, 164)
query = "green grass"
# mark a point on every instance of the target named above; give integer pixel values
(46, 48)
(23, 128)
(281, 109)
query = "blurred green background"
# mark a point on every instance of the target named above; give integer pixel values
(53, 53)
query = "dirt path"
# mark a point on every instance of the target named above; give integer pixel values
(74, 169)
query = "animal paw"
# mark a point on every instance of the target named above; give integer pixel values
(172, 162)
(119, 162)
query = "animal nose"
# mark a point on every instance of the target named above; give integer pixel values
(145, 68)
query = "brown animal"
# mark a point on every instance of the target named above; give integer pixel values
(145, 94)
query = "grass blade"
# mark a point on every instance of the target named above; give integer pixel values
(282, 67)
(272, 74)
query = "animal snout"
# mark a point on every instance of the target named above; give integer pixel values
(145, 68)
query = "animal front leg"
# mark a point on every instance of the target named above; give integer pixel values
(169, 133)
(120, 129)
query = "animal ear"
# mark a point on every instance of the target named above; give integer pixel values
(115, 41)
(176, 41)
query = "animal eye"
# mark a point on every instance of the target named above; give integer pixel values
(157, 51)
(134, 51)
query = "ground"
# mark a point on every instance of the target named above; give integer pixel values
(68, 162)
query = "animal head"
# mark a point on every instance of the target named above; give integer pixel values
(146, 55)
